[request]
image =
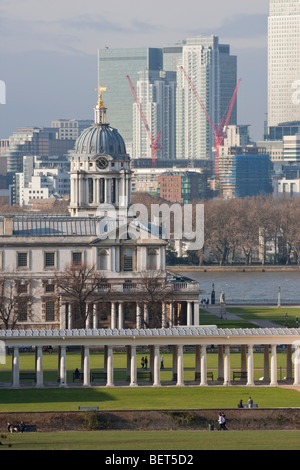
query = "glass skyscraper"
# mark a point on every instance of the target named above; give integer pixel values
(114, 66)
(213, 71)
(284, 62)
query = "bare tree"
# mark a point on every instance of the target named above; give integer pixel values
(154, 290)
(80, 284)
(15, 301)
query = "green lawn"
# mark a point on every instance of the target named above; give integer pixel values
(277, 315)
(112, 441)
(125, 398)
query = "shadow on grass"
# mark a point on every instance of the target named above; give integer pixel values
(77, 395)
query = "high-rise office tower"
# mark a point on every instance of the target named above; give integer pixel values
(213, 71)
(156, 92)
(284, 62)
(114, 65)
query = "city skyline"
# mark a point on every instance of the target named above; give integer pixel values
(49, 54)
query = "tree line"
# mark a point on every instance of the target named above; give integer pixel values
(260, 229)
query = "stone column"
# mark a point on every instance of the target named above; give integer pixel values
(87, 316)
(133, 371)
(203, 367)
(274, 381)
(171, 315)
(163, 315)
(156, 381)
(39, 367)
(146, 316)
(221, 364)
(62, 315)
(121, 316)
(196, 314)
(180, 367)
(110, 367)
(95, 317)
(70, 318)
(16, 368)
(113, 316)
(138, 316)
(266, 364)
(86, 368)
(189, 314)
(297, 366)
(250, 371)
(63, 367)
(227, 366)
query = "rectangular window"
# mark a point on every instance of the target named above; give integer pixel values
(49, 288)
(77, 258)
(22, 260)
(128, 260)
(22, 311)
(50, 311)
(50, 260)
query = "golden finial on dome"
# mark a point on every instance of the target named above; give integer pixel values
(100, 103)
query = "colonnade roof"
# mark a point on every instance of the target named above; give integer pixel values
(190, 332)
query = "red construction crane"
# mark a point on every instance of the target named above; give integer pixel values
(221, 129)
(154, 142)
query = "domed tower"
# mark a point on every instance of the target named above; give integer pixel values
(100, 169)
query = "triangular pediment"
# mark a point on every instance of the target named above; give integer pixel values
(110, 232)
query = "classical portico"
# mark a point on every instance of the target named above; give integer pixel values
(156, 341)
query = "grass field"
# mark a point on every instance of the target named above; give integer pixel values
(112, 441)
(145, 398)
(248, 316)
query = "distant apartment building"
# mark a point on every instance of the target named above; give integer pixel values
(156, 92)
(4, 144)
(285, 186)
(244, 168)
(181, 187)
(283, 61)
(213, 72)
(34, 141)
(244, 172)
(35, 168)
(70, 129)
(291, 149)
(274, 148)
(44, 183)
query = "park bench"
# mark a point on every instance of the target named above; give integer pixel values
(28, 376)
(98, 376)
(88, 408)
(247, 407)
(239, 375)
(210, 375)
(144, 375)
(78, 378)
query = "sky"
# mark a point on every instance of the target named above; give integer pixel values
(48, 51)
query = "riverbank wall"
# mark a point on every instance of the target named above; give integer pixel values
(232, 269)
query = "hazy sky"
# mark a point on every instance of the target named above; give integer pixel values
(48, 50)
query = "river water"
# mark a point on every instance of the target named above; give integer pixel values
(252, 287)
